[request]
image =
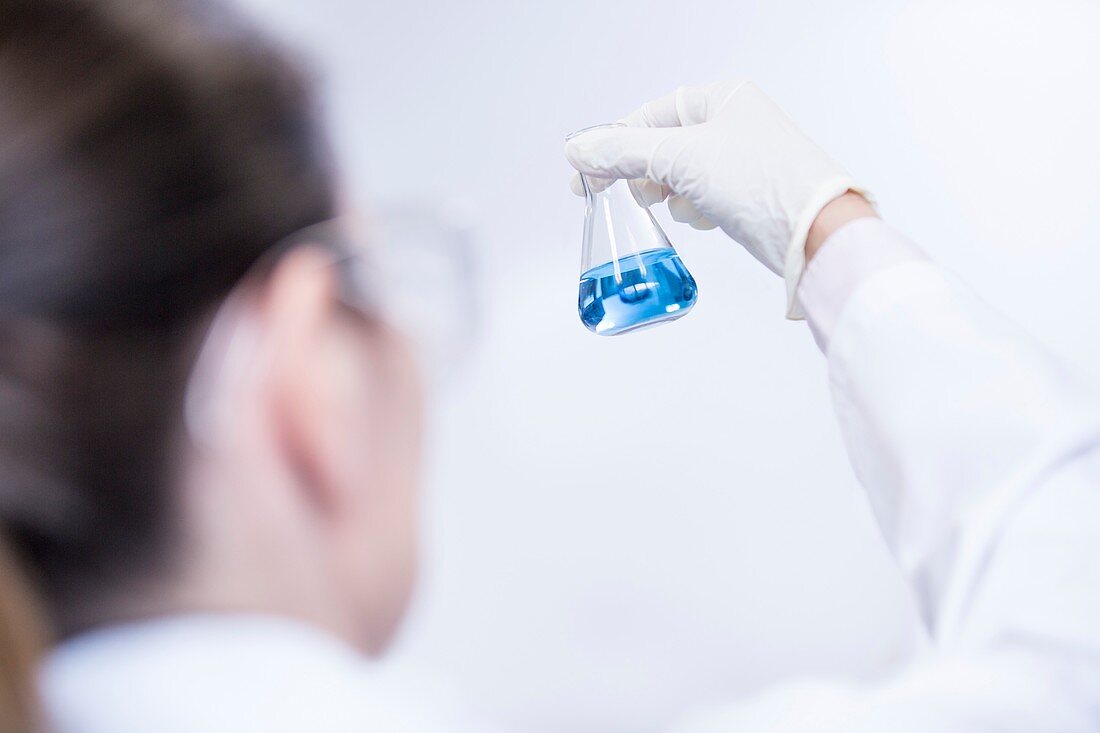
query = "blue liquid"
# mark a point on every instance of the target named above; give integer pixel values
(652, 287)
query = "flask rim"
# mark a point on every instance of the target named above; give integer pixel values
(590, 128)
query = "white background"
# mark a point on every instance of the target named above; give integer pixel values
(617, 530)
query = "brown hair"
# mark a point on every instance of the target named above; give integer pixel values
(150, 153)
(22, 638)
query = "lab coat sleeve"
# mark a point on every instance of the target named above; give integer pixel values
(956, 423)
(980, 455)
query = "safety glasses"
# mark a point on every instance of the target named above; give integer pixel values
(412, 268)
(408, 268)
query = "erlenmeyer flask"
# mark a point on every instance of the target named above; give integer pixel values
(631, 276)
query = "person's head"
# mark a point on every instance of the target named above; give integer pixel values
(152, 154)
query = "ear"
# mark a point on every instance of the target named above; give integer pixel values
(298, 310)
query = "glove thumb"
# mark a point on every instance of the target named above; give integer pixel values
(628, 152)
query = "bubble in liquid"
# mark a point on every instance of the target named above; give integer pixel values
(651, 287)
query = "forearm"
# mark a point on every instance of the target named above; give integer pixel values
(838, 212)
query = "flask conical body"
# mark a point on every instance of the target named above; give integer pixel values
(631, 276)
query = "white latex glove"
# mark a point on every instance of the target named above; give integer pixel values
(723, 153)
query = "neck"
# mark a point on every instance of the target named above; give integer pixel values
(273, 576)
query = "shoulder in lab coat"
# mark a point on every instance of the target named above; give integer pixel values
(225, 673)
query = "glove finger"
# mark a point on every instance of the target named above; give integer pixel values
(683, 210)
(596, 184)
(703, 224)
(647, 192)
(685, 106)
(626, 152)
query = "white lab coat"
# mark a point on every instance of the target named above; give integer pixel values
(980, 454)
(237, 673)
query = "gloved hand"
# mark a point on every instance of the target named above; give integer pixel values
(723, 153)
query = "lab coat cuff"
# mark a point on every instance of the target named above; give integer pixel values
(853, 255)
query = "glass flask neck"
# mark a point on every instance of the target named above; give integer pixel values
(616, 226)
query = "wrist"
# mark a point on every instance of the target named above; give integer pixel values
(838, 212)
